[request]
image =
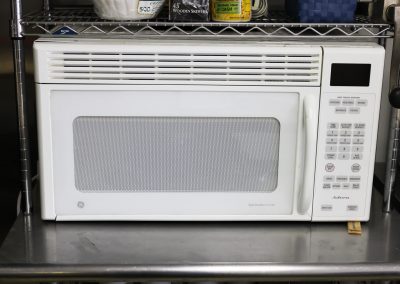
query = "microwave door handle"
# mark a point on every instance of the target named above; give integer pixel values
(310, 121)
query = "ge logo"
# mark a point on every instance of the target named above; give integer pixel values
(81, 204)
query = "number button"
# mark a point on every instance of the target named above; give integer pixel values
(344, 141)
(331, 149)
(344, 156)
(344, 149)
(332, 133)
(358, 141)
(331, 141)
(359, 133)
(345, 133)
(358, 149)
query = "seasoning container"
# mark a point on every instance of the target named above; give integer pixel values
(127, 9)
(189, 10)
(231, 10)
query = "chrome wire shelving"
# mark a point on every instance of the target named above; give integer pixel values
(85, 23)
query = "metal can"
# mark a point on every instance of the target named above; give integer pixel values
(231, 10)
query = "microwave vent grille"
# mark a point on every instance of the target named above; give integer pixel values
(302, 69)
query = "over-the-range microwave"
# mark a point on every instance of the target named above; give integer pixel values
(207, 130)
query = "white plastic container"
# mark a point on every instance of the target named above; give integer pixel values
(128, 9)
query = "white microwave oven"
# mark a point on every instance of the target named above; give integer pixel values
(207, 130)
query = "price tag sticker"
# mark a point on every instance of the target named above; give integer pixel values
(148, 7)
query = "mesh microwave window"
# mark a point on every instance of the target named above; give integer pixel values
(176, 154)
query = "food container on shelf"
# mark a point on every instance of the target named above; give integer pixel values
(189, 10)
(127, 9)
(259, 9)
(322, 11)
(231, 10)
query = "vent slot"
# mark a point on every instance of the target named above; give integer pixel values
(131, 68)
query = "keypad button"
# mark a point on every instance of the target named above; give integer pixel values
(333, 125)
(359, 133)
(344, 149)
(340, 110)
(344, 141)
(356, 156)
(336, 186)
(359, 126)
(329, 178)
(329, 167)
(345, 133)
(355, 168)
(326, 186)
(334, 102)
(342, 179)
(348, 102)
(358, 149)
(331, 149)
(354, 110)
(352, 208)
(344, 156)
(331, 141)
(346, 125)
(355, 186)
(355, 179)
(362, 103)
(332, 133)
(358, 141)
(330, 156)
(326, 207)
(345, 185)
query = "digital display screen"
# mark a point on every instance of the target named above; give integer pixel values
(344, 74)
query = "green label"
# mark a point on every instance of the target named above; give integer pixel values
(228, 7)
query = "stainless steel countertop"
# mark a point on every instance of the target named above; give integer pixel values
(263, 251)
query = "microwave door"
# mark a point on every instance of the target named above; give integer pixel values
(180, 152)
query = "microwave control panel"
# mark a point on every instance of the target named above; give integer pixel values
(344, 155)
(347, 133)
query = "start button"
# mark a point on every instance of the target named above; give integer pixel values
(355, 168)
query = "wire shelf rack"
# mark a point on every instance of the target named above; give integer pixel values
(83, 22)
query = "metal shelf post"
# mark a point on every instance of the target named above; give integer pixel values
(19, 72)
(393, 142)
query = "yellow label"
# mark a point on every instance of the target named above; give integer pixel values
(231, 10)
